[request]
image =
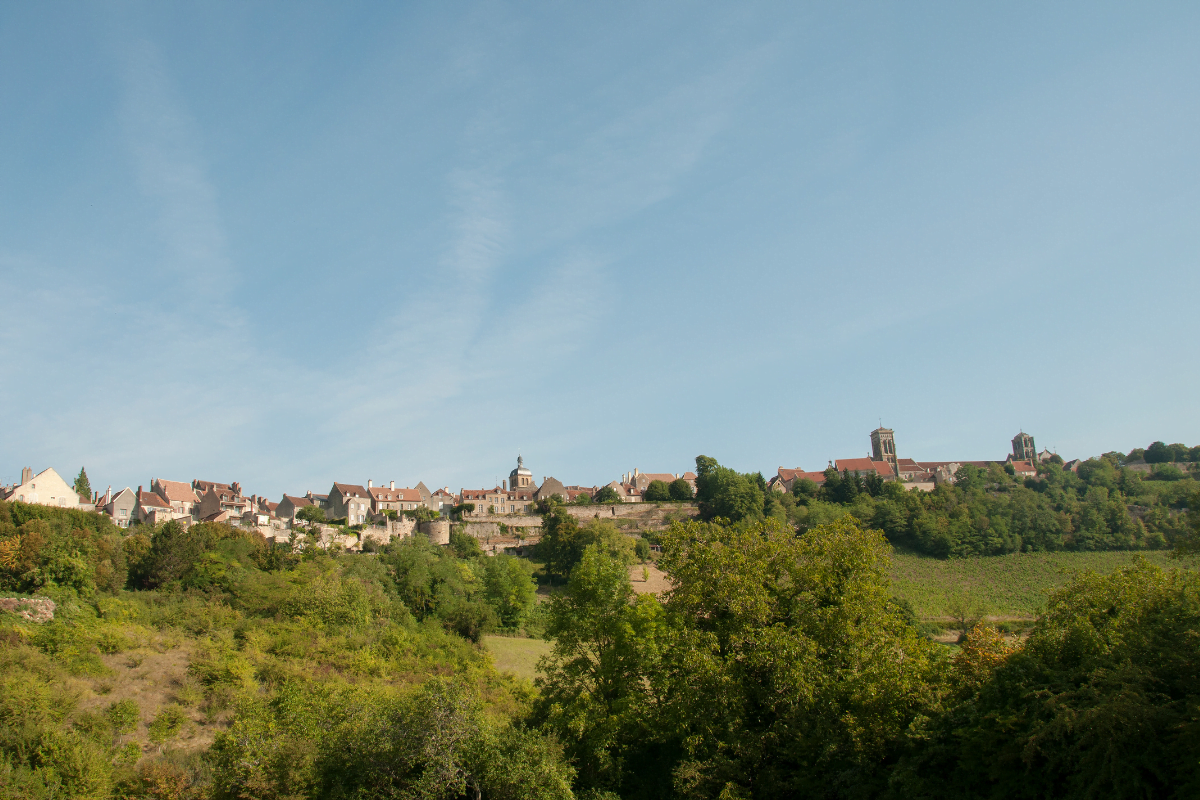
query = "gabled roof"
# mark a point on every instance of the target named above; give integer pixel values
(178, 491)
(152, 500)
(480, 494)
(298, 502)
(350, 489)
(384, 494)
(786, 474)
(665, 477)
(204, 486)
(864, 465)
(689, 476)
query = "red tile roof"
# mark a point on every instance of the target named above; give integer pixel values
(178, 491)
(864, 465)
(152, 500)
(384, 494)
(351, 489)
(298, 502)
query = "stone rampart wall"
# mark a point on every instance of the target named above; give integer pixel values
(511, 520)
(530, 532)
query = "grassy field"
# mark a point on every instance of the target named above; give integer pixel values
(518, 656)
(1005, 587)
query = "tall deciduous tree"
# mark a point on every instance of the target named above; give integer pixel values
(596, 687)
(725, 493)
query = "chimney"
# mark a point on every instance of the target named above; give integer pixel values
(368, 483)
(139, 492)
(26, 475)
(391, 484)
(108, 495)
(504, 485)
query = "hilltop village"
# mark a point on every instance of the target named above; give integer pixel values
(385, 511)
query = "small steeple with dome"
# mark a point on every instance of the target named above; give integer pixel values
(520, 478)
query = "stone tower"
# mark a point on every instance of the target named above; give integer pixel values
(883, 447)
(520, 478)
(1023, 448)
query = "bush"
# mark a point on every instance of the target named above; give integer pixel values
(167, 723)
(641, 549)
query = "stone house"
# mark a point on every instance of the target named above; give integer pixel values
(643, 479)
(151, 508)
(349, 501)
(442, 500)
(201, 487)
(487, 501)
(784, 478)
(289, 506)
(119, 507)
(389, 498)
(1024, 469)
(180, 495)
(550, 487)
(223, 502)
(47, 488)
(628, 492)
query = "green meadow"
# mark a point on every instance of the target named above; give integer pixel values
(516, 654)
(1008, 586)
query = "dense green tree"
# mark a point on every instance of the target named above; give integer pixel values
(657, 492)
(564, 540)
(804, 490)
(680, 490)
(607, 495)
(83, 487)
(312, 514)
(433, 743)
(1100, 701)
(722, 492)
(595, 689)
(509, 588)
(795, 675)
(1158, 453)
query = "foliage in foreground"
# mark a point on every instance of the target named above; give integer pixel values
(779, 666)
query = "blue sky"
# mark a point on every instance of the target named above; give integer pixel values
(289, 244)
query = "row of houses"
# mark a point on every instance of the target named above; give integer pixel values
(210, 501)
(920, 475)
